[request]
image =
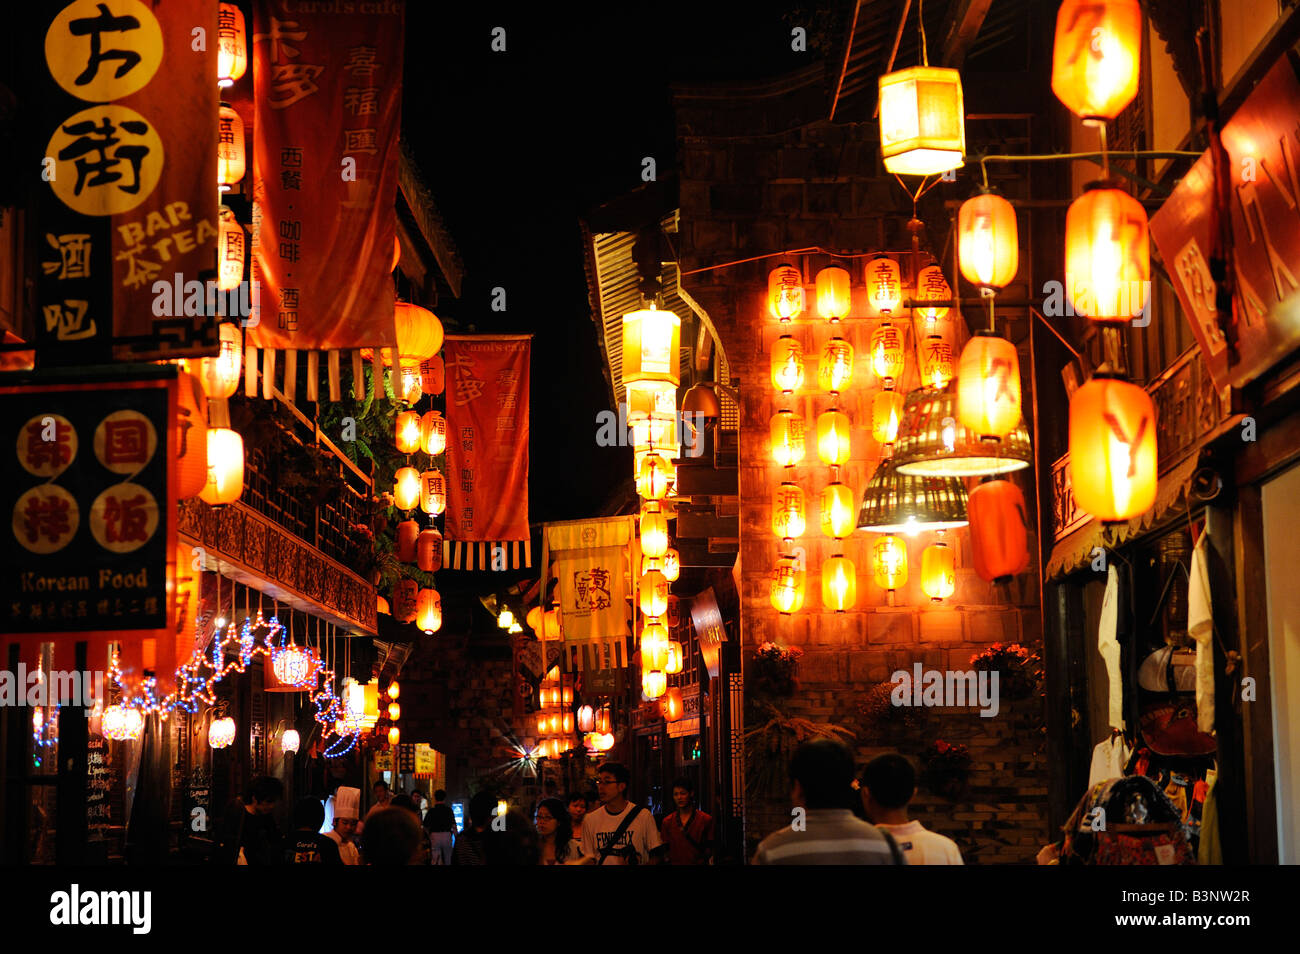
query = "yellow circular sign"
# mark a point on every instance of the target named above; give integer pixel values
(125, 441)
(46, 518)
(107, 160)
(47, 444)
(124, 517)
(102, 50)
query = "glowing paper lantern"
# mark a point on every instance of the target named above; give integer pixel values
(887, 355)
(292, 665)
(938, 572)
(672, 567)
(837, 510)
(230, 251)
(1107, 255)
(397, 252)
(834, 293)
(408, 432)
(988, 246)
(603, 725)
(428, 551)
(835, 369)
(654, 533)
(922, 121)
(433, 492)
(886, 412)
(1095, 57)
(788, 585)
(394, 690)
(788, 511)
(406, 488)
(654, 645)
(653, 684)
(931, 285)
(654, 594)
(231, 162)
(586, 719)
(833, 437)
(937, 362)
(289, 741)
(428, 611)
(787, 364)
(1112, 449)
(884, 285)
(394, 735)
(221, 733)
(671, 705)
(381, 606)
(122, 723)
(419, 334)
(225, 481)
(405, 594)
(192, 409)
(652, 478)
(787, 433)
(785, 292)
(675, 658)
(651, 342)
(410, 382)
(889, 561)
(232, 44)
(394, 711)
(988, 387)
(839, 584)
(220, 375)
(433, 433)
(998, 535)
(408, 533)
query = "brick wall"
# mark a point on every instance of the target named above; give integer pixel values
(809, 183)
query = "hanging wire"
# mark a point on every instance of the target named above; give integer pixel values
(920, 19)
(1105, 155)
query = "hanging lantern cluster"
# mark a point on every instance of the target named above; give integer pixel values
(394, 712)
(555, 721)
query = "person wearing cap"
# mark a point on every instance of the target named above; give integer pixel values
(347, 805)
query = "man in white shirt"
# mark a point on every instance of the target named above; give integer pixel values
(347, 802)
(888, 784)
(602, 839)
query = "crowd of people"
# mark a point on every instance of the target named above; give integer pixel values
(838, 817)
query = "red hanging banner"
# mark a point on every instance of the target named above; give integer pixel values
(487, 443)
(327, 90)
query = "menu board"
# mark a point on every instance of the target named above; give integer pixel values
(100, 778)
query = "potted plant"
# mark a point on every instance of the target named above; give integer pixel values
(1017, 668)
(877, 711)
(775, 670)
(947, 768)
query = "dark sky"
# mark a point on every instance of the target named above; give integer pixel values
(516, 146)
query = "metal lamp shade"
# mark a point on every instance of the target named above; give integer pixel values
(903, 503)
(932, 441)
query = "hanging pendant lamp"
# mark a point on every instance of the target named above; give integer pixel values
(901, 503)
(932, 441)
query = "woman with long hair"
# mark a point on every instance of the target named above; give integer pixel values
(555, 832)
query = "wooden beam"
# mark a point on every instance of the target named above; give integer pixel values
(960, 29)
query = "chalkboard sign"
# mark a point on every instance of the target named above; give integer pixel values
(99, 784)
(200, 791)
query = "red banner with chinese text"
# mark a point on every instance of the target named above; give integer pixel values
(327, 89)
(487, 438)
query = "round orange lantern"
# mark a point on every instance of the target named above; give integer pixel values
(671, 705)
(225, 481)
(406, 488)
(408, 432)
(654, 533)
(672, 564)
(833, 437)
(837, 510)
(938, 572)
(931, 285)
(433, 492)
(937, 364)
(220, 375)
(652, 478)
(428, 611)
(834, 293)
(788, 511)
(394, 735)
(785, 292)
(788, 585)
(534, 620)
(787, 364)
(232, 44)
(419, 333)
(988, 246)
(835, 369)
(1112, 449)
(654, 594)
(1107, 255)
(654, 645)
(988, 386)
(839, 584)
(230, 251)
(408, 532)
(433, 433)
(428, 551)
(886, 412)
(998, 536)
(192, 426)
(381, 606)
(675, 658)
(653, 684)
(1095, 57)
(231, 162)
(887, 355)
(787, 432)
(884, 285)
(889, 560)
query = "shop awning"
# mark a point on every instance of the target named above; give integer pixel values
(1076, 550)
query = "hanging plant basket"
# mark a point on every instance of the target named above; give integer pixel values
(947, 769)
(1018, 669)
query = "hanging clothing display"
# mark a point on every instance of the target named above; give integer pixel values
(1200, 625)
(1108, 759)
(1108, 645)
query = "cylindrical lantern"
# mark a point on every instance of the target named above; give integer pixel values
(433, 491)
(408, 533)
(787, 431)
(999, 539)
(230, 251)
(886, 412)
(394, 711)
(220, 375)
(405, 597)
(654, 594)
(788, 511)
(433, 375)
(428, 611)
(1095, 57)
(654, 645)
(787, 585)
(654, 533)
(1107, 255)
(833, 437)
(937, 364)
(291, 665)
(839, 584)
(225, 467)
(551, 624)
(787, 364)
(586, 719)
(394, 735)
(672, 568)
(931, 285)
(988, 247)
(834, 293)
(785, 292)
(671, 704)
(289, 741)
(675, 658)
(192, 422)
(653, 684)
(835, 368)
(889, 561)
(221, 733)
(232, 44)
(231, 162)
(433, 433)
(922, 121)
(406, 488)
(652, 478)
(938, 572)
(410, 382)
(428, 551)
(651, 341)
(408, 432)
(603, 723)
(121, 723)
(884, 285)
(887, 355)
(1112, 449)
(394, 690)
(838, 512)
(988, 386)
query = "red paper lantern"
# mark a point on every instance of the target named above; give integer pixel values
(1113, 461)
(407, 533)
(998, 530)
(428, 551)
(1095, 57)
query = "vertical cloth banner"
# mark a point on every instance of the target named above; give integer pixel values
(487, 452)
(127, 203)
(327, 87)
(592, 561)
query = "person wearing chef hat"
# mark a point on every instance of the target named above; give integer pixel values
(347, 804)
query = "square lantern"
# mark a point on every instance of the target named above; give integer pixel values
(651, 345)
(922, 121)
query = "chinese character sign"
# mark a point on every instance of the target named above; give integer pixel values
(327, 93)
(487, 446)
(591, 560)
(128, 110)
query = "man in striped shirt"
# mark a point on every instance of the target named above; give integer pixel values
(824, 830)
